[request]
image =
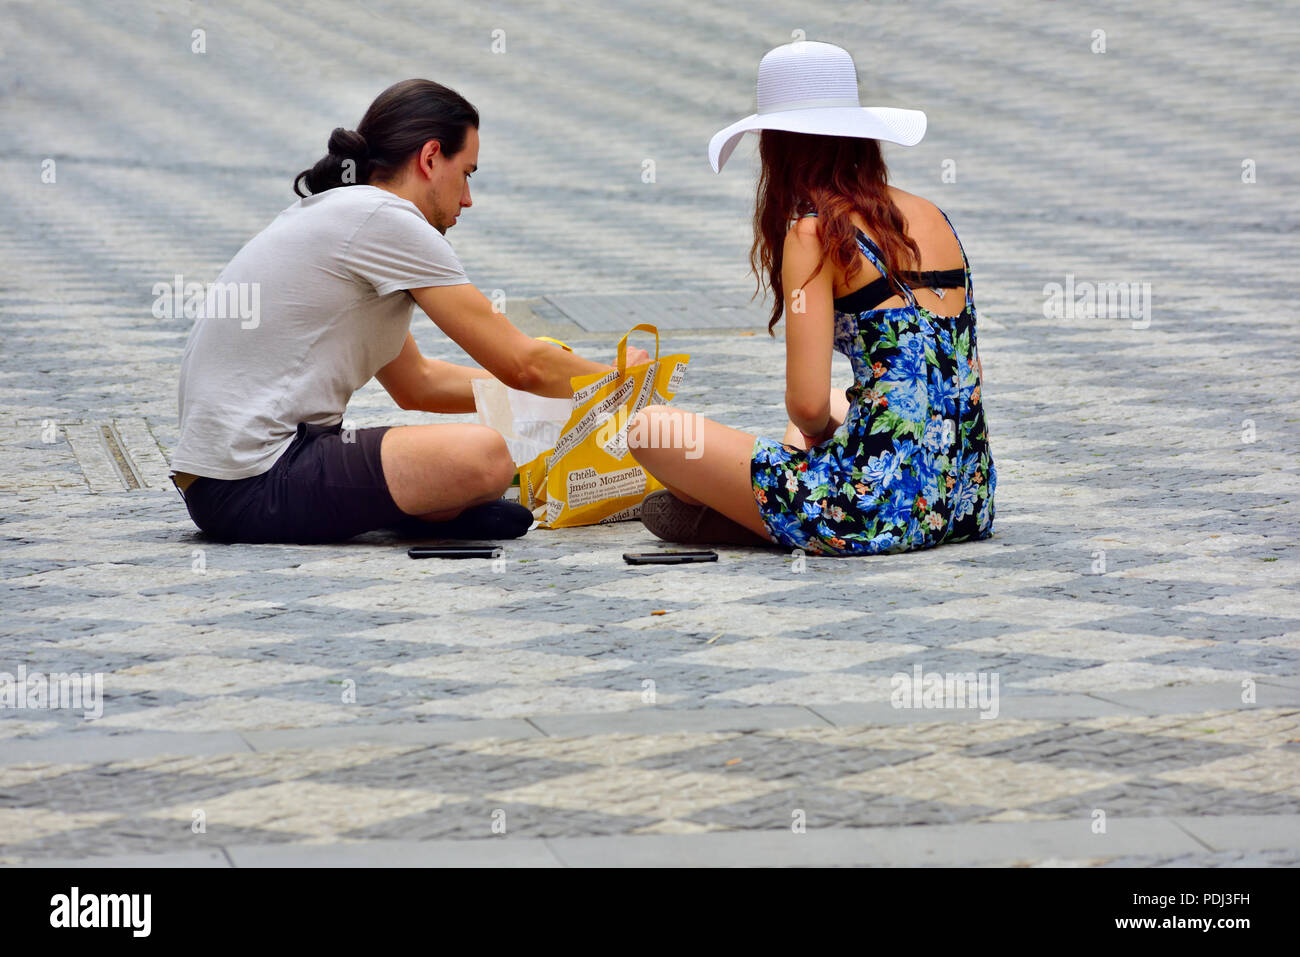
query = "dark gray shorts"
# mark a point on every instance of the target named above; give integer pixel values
(321, 489)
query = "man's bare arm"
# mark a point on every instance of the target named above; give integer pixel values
(522, 363)
(429, 385)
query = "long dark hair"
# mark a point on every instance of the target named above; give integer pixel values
(833, 176)
(400, 121)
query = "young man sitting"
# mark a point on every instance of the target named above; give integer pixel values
(262, 455)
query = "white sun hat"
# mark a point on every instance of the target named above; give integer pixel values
(810, 87)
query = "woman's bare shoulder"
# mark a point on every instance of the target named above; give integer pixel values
(804, 228)
(913, 206)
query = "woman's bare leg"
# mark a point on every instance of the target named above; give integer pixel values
(713, 469)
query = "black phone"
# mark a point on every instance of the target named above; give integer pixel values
(668, 558)
(454, 551)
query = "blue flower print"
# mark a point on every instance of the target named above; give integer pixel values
(911, 466)
(883, 470)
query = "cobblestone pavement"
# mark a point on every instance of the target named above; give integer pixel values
(1139, 604)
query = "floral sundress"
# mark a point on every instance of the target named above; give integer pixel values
(910, 467)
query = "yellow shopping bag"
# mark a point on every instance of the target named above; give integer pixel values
(590, 476)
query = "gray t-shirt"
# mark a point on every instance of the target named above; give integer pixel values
(328, 280)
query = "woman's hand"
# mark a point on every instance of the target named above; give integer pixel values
(832, 425)
(839, 406)
(818, 439)
(636, 356)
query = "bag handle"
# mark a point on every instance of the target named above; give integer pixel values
(555, 342)
(622, 345)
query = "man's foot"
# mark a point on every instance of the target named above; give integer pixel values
(493, 520)
(668, 517)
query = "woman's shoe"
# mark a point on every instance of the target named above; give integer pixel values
(668, 517)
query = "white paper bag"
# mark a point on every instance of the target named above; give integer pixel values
(530, 424)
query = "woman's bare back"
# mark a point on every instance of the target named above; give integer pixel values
(939, 251)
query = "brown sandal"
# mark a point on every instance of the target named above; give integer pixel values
(671, 519)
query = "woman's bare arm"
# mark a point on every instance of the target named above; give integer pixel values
(810, 330)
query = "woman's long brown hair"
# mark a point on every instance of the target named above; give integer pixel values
(833, 176)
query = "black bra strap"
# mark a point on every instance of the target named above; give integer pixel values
(874, 293)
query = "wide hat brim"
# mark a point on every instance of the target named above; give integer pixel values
(905, 127)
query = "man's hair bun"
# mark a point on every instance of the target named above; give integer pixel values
(348, 144)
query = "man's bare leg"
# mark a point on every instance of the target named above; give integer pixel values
(435, 472)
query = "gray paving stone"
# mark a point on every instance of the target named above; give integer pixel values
(1199, 698)
(446, 769)
(1149, 797)
(1246, 833)
(1091, 748)
(822, 807)
(198, 858)
(113, 789)
(143, 837)
(1290, 682)
(774, 759)
(940, 845)
(701, 309)
(1018, 707)
(693, 680)
(75, 748)
(425, 732)
(1251, 859)
(491, 821)
(501, 852)
(657, 720)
